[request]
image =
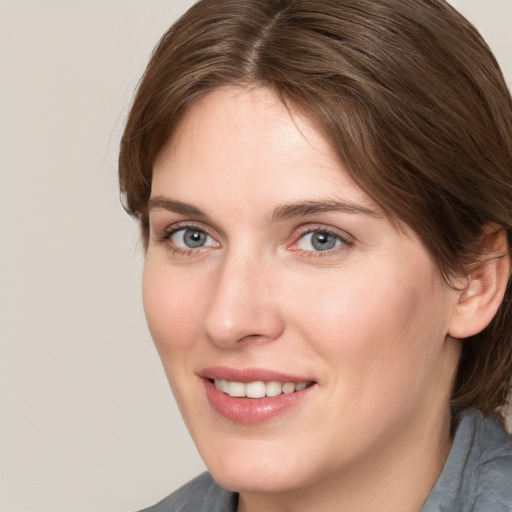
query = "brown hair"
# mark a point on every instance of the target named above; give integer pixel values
(410, 97)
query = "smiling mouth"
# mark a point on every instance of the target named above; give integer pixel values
(259, 389)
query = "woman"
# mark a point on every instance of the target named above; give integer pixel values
(325, 197)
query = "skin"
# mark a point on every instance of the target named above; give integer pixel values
(367, 320)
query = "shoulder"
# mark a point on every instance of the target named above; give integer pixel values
(200, 494)
(477, 476)
(492, 475)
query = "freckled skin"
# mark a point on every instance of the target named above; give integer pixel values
(366, 320)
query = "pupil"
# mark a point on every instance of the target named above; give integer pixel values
(194, 239)
(323, 241)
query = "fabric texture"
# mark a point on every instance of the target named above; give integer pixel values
(477, 477)
(201, 494)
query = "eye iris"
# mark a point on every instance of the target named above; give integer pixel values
(194, 239)
(323, 241)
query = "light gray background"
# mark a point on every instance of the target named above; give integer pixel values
(87, 423)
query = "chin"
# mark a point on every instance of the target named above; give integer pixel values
(257, 466)
(261, 480)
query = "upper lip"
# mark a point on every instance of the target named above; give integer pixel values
(250, 375)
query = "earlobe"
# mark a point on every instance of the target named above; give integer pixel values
(484, 290)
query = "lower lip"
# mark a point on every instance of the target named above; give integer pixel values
(252, 410)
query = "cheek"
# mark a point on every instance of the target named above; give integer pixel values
(172, 310)
(381, 347)
(173, 317)
(381, 324)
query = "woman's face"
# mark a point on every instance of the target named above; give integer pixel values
(269, 268)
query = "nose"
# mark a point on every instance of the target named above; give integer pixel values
(243, 304)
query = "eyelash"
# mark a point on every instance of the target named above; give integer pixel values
(165, 238)
(345, 242)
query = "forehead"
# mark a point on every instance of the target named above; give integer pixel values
(245, 144)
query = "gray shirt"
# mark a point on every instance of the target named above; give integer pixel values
(477, 477)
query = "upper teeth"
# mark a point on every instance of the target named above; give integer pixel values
(257, 389)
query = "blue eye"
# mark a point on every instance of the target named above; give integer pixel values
(319, 241)
(188, 238)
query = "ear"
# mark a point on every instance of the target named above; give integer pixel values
(484, 288)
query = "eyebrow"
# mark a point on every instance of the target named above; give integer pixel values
(176, 207)
(282, 212)
(302, 209)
